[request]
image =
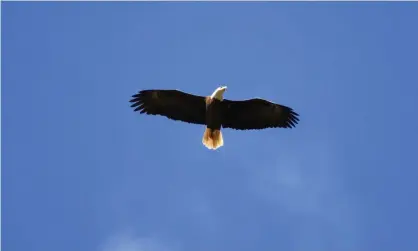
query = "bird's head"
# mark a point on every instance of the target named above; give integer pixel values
(223, 88)
(219, 92)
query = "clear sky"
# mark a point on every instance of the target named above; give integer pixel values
(82, 172)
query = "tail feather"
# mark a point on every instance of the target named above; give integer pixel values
(212, 139)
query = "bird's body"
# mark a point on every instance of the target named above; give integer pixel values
(212, 137)
(215, 112)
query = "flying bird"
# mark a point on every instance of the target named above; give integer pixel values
(214, 112)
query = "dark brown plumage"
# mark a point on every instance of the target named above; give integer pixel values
(175, 105)
(258, 114)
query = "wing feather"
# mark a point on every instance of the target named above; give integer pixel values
(173, 104)
(257, 114)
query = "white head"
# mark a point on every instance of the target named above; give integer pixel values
(219, 93)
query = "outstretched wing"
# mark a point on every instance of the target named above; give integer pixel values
(173, 104)
(257, 114)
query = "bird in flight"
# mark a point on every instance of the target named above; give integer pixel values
(214, 112)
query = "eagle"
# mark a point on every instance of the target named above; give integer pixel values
(214, 112)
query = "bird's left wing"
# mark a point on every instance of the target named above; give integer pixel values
(173, 104)
(257, 114)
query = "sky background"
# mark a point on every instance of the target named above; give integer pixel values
(81, 171)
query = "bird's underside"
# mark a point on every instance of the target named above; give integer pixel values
(251, 114)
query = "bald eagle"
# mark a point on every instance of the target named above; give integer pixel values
(214, 112)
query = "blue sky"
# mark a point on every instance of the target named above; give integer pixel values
(82, 171)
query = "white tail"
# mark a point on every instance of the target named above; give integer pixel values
(212, 139)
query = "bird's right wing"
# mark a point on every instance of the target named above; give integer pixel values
(173, 104)
(257, 114)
